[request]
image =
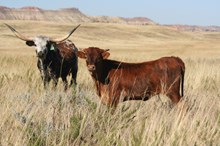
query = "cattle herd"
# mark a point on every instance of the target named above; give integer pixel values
(115, 81)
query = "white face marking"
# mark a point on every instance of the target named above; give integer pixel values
(41, 46)
(41, 43)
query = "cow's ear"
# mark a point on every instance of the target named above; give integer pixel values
(81, 54)
(30, 43)
(105, 54)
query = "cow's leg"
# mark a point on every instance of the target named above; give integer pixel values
(45, 77)
(65, 83)
(55, 80)
(44, 73)
(174, 92)
(175, 97)
(74, 75)
(114, 100)
(46, 80)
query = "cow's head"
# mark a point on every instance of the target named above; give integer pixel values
(94, 57)
(42, 43)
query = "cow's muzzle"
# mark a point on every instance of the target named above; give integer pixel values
(91, 67)
(40, 54)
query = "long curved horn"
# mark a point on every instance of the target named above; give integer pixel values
(17, 34)
(65, 37)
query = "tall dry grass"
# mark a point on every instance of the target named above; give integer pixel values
(29, 115)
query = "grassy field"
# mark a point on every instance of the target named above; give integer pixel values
(29, 115)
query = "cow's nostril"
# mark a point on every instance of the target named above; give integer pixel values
(40, 54)
(91, 67)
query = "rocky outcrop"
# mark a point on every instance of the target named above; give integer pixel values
(194, 28)
(76, 16)
(63, 15)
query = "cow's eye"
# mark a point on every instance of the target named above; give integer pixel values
(99, 60)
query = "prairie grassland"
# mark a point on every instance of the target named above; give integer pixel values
(29, 115)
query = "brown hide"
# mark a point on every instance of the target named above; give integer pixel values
(119, 81)
(67, 49)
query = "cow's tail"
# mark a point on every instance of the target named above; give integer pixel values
(182, 79)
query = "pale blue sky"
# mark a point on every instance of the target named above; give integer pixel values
(191, 12)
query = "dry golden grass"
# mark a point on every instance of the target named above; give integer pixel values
(29, 115)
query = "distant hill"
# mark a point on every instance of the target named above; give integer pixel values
(64, 15)
(76, 16)
(34, 13)
(194, 28)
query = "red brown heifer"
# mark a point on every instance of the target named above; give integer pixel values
(133, 81)
(56, 57)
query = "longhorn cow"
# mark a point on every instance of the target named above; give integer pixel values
(56, 57)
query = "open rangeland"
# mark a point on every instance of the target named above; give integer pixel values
(29, 115)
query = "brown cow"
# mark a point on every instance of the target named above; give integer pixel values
(56, 57)
(119, 81)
